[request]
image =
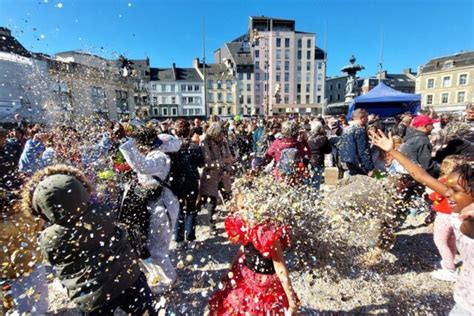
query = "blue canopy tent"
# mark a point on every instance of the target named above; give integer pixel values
(386, 102)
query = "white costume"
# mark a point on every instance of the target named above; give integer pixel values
(163, 211)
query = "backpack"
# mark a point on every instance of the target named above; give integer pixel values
(134, 214)
(290, 162)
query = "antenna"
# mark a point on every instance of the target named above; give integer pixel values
(381, 55)
(204, 64)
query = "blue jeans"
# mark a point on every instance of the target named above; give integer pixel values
(317, 177)
(186, 222)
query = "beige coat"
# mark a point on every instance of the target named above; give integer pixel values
(218, 163)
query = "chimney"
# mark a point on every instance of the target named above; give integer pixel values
(174, 65)
(5, 32)
(407, 71)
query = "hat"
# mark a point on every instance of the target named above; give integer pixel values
(422, 120)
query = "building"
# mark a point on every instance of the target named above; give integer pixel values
(176, 92)
(141, 71)
(221, 87)
(446, 83)
(286, 63)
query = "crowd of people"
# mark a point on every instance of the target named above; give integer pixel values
(101, 203)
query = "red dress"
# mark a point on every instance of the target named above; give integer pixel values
(247, 292)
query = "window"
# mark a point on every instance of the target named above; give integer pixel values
(163, 88)
(241, 99)
(287, 42)
(219, 110)
(190, 87)
(308, 88)
(308, 43)
(196, 87)
(278, 42)
(319, 87)
(229, 110)
(197, 111)
(278, 54)
(249, 99)
(164, 111)
(330, 87)
(461, 96)
(121, 100)
(430, 84)
(338, 85)
(174, 111)
(447, 65)
(287, 65)
(287, 54)
(249, 87)
(257, 53)
(229, 98)
(155, 100)
(446, 81)
(308, 54)
(299, 54)
(183, 88)
(287, 76)
(173, 100)
(163, 100)
(257, 76)
(298, 99)
(338, 97)
(173, 88)
(219, 97)
(156, 112)
(219, 84)
(319, 99)
(429, 99)
(191, 111)
(278, 77)
(228, 84)
(330, 98)
(257, 87)
(257, 99)
(241, 76)
(278, 65)
(308, 65)
(462, 79)
(444, 98)
(287, 88)
(308, 76)
(210, 83)
(298, 88)
(286, 99)
(210, 97)
(153, 87)
(307, 99)
(257, 64)
(300, 43)
(320, 65)
(299, 65)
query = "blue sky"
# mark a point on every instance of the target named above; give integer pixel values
(171, 30)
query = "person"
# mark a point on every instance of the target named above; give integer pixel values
(443, 233)
(259, 143)
(456, 142)
(36, 154)
(215, 176)
(290, 132)
(10, 152)
(152, 166)
(99, 269)
(258, 282)
(319, 146)
(460, 194)
(184, 181)
(20, 259)
(354, 148)
(416, 144)
(401, 129)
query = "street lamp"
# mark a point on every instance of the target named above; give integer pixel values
(255, 36)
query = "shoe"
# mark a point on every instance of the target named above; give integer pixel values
(444, 275)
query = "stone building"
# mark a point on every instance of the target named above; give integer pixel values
(446, 83)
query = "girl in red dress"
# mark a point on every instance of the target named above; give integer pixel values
(258, 282)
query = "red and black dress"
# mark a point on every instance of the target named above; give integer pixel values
(252, 286)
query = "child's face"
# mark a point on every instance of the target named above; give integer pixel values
(458, 197)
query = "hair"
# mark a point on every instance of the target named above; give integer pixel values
(146, 136)
(214, 130)
(358, 113)
(290, 128)
(30, 187)
(182, 128)
(466, 177)
(450, 163)
(397, 140)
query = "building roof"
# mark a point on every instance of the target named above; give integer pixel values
(240, 54)
(400, 80)
(174, 74)
(319, 53)
(461, 59)
(9, 44)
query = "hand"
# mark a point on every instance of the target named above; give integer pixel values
(380, 140)
(467, 213)
(370, 173)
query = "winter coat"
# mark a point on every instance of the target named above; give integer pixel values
(35, 156)
(319, 146)
(9, 155)
(274, 152)
(457, 146)
(18, 241)
(184, 175)
(354, 147)
(217, 167)
(417, 147)
(92, 257)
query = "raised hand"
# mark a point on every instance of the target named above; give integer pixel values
(380, 140)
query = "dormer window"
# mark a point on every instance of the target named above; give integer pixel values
(448, 64)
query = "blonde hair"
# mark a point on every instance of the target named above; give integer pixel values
(30, 187)
(450, 163)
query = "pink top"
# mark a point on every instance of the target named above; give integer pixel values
(464, 288)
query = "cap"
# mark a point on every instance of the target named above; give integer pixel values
(422, 120)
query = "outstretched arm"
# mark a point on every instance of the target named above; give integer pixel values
(418, 173)
(284, 276)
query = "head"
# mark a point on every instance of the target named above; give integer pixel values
(460, 187)
(450, 163)
(406, 120)
(215, 132)
(19, 133)
(317, 128)
(445, 118)
(197, 122)
(146, 138)
(372, 118)
(470, 113)
(290, 129)
(182, 128)
(18, 117)
(360, 117)
(423, 123)
(58, 194)
(372, 129)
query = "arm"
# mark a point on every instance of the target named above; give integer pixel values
(141, 163)
(29, 159)
(284, 276)
(417, 172)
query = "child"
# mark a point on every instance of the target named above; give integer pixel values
(459, 191)
(259, 280)
(20, 258)
(91, 256)
(443, 233)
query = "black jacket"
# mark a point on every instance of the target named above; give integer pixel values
(417, 147)
(184, 175)
(457, 146)
(9, 156)
(319, 145)
(354, 147)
